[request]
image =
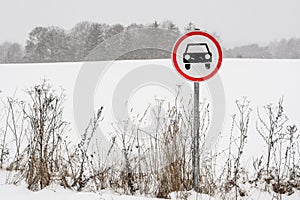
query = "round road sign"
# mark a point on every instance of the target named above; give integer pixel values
(197, 56)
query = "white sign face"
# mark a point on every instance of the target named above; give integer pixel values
(197, 56)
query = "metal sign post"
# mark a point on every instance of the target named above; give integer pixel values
(208, 62)
(196, 135)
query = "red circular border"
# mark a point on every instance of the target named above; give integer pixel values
(174, 59)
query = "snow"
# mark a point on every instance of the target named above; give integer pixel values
(17, 192)
(11, 192)
(262, 81)
(20, 192)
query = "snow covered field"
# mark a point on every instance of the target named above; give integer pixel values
(261, 81)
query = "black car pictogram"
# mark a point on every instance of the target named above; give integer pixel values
(197, 53)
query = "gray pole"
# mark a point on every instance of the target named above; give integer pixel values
(196, 135)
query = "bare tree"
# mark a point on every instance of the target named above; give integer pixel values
(11, 52)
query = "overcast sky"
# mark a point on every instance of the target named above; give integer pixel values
(236, 21)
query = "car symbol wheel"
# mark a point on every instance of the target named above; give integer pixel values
(207, 65)
(187, 66)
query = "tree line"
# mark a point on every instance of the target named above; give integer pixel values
(55, 44)
(285, 48)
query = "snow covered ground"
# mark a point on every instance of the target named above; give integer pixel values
(20, 192)
(262, 81)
